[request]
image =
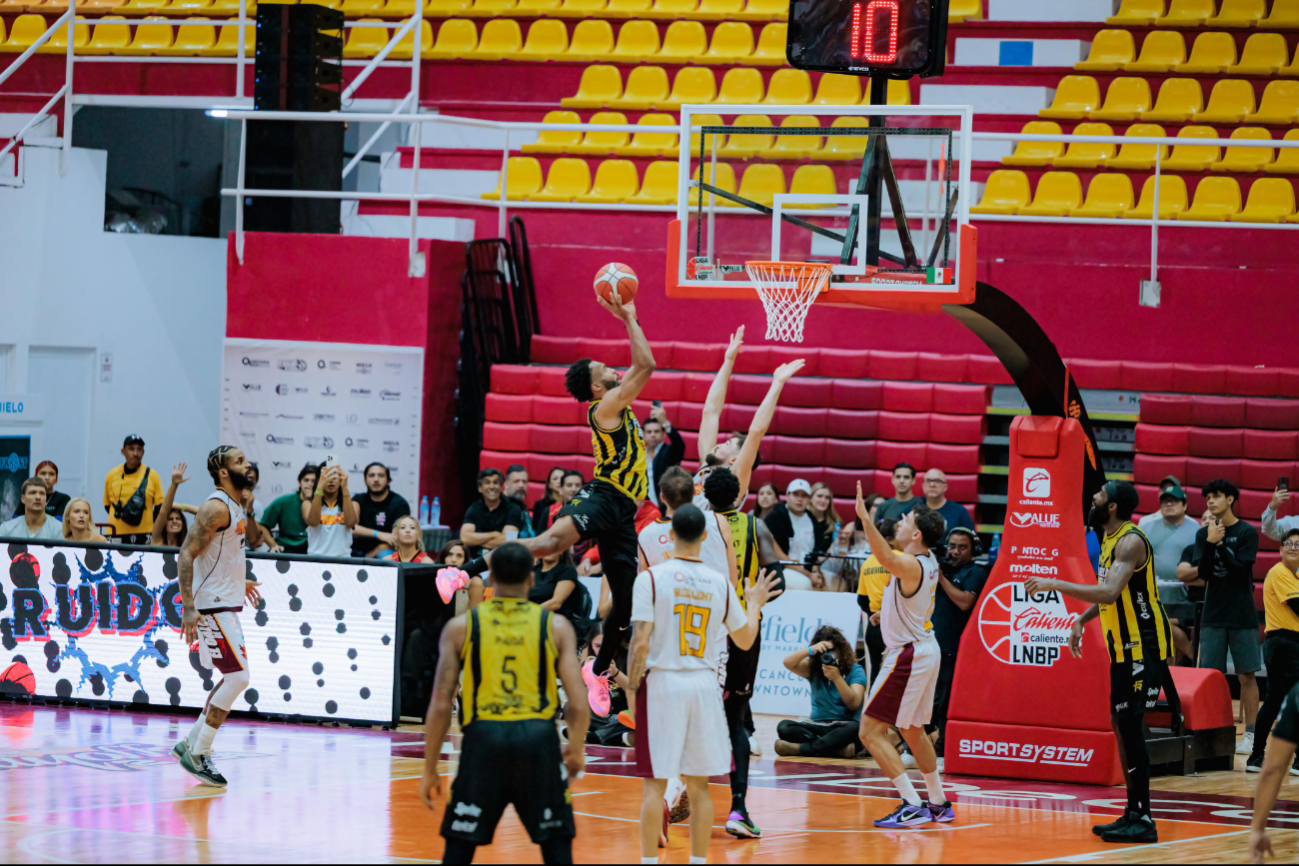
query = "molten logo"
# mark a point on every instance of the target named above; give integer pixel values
(1034, 568)
(1037, 484)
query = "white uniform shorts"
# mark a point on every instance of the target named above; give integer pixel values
(903, 694)
(681, 726)
(221, 642)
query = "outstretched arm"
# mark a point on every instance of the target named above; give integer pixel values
(1129, 555)
(642, 363)
(761, 421)
(716, 400)
(446, 682)
(212, 518)
(903, 566)
(164, 511)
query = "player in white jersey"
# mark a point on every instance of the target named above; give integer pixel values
(682, 612)
(739, 452)
(902, 696)
(655, 540)
(213, 587)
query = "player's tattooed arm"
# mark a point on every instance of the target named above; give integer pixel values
(212, 518)
(1129, 555)
(438, 718)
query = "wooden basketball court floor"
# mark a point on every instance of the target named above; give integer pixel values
(99, 786)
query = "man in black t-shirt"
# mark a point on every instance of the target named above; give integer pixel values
(377, 509)
(488, 521)
(1280, 752)
(961, 580)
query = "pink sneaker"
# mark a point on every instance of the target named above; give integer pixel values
(449, 580)
(597, 689)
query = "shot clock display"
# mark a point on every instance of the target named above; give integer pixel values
(897, 38)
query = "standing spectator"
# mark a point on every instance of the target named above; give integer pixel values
(1225, 550)
(408, 542)
(794, 532)
(659, 457)
(78, 523)
(494, 519)
(904, 478)
(330, 515)
(541, 518)
(377, 512)
(955, 515)
(55, 502)
(768, 499)
(132, 493)
(1281, 647)
(1274, 527)
(170, 529)
(1169, 532)
(961, 579)
(34, 523)
(285, 514)
(838, 692)
(516, 488)
(870, 595)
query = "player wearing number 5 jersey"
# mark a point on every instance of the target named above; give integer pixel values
(682, 612)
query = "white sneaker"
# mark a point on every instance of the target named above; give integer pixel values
(754, 749)
(1246, 744)
(909, 760)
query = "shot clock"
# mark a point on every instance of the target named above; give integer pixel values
(893, 38)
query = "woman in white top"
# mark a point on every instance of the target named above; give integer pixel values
(330, 515)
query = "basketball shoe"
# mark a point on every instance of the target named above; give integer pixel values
(198, 766)
(597, 689)
(943, 814)
(1138, 829)
(905, 815)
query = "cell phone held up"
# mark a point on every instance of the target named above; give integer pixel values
(1283, 483)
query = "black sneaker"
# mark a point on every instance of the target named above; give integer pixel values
(1139, 829)
(1294, 768)
(1254, 764)
(1123, 821)
(198, 766)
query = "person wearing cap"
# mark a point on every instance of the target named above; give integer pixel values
(795, 534)
(1169, 531)
(55, 501)
(122, 483)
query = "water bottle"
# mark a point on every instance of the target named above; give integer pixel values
(435, 513)
(423, 510)
(992, 553)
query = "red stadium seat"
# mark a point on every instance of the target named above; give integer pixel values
(806, 392)
(782, 475)
(560, 440)
(933, 367)
(511, 379)
(1145, 376)
(893, 365)
(694, 386)
(516, 409)
(845, 364)
(613, 353)
(507, 437)
(850, 453)
(908, 397)
(553, 350)
(796, 451)
(1263, 474)
(691, 438)
(1252, 381)
(558, 410)
(1205, 698)
(961, 399)
(1209, 442)
(1166, 408)
(1201, 470)
(1287, 383)
(664, 386)
(1271, 414)
(953, 458)
(1263, 564)
(800, 422)
(890, 454)
(883, 484)
(1148, 501)
(854, 394)
(1252, 503)
(850, 424)
(988, 370)
(1090, 373)
(550, 381)
(738, 418)
(750, 390)
(1269, 444)
(956, 429)
(904, 426)
(1160, 439)
(778, 355)
(698, 356)
(688, 415)
(1151, 468)
(844, 483)
(753, 358)
(963, 488)
(662, 350)
(1217, 411)
(499, 459)
(1199, 379)
(760, 476)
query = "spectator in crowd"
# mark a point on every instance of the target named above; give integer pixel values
(607, 730)
(1169, 532)
(556, 588)
(453, 553)
(794, 532)
(254, 477)
(954, 514)
(407, 542)
(847, 551)
(494, 519)
(870, 593)
(824, 514)
(516, 488)
(170, 529)
(904, 478)
(34, 522)
(573, 482)
(285, 515)
(1225, 550)
(1281, 647)
(55, 502)
(78, 524)
(1275, 527)
(768, 499)
(330, 515)
(838, 692)
(377, 512)
(664, 448)
(961, 580)
(541, 518)
(132, 493)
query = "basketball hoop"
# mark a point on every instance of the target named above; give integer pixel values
(787, 291)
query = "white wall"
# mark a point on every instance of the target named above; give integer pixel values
(156, 304)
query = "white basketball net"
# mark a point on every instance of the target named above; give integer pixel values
(787, 290)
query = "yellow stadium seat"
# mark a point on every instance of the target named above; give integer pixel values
(535, 7)
(838, 90)
(1212, 53)
(1179, 99)
(547, 40)
(1075, 95)
(1172, 199)
(603, 143)
(684, 42)
(760, 183)
(673, 9)
(812, 180)
(592, 40)
(1271, 200)
(1058, 192)
(705, 120)
(500, 38)
(349, 7)
(365, 41)
(1161, 51)
(1287, 158)
(490, 8)
(1005, 192)
(1238, 13)
(652, 143)
(795, 146)
(457, 38)
(179, 6)
(789, 87)
(659, 185)
(1085, 154)
(764, 10)
(724, 179)
(567, 179)
(1036, 152)
(1108, 196)
(58, 42)
(193, 39)
(601, 85)
(1216, 199)
(143, 6)
(771, 46)
(717, 10)
(637, 41)
(1137, 13)
(556, 140)
(732, 43)
(403, 49)
(150, 38)
(227, 8)
(227, 43)
(1127, 99)
(899, 92)
(96, 6)
(615, 182)
(647, 87)
(580, 8)
(845, 146)
(1246, 159)
(1230, 100)
(1140, 157)
(443, 8)
(26, 30)
(627, 8)
(1284, 15)
(1264, 54)
(740, 86)
(1110, 50)
(965, 10)
(1192, 157)
(746, 145)
(692, 86)
(1279, 106)
(1187, 13)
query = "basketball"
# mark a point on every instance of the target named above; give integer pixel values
(616, 274)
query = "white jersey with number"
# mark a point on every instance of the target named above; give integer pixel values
(907, 619)
(717, 552)
(221, 569)
(693, 609)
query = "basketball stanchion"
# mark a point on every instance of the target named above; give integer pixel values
(787, 291)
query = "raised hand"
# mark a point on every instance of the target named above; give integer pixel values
(178, 474)
(762, 591)
(624, 312)
(862, 513)
(785, 372)
(1279, 498)
(251, 595)
(737, 341)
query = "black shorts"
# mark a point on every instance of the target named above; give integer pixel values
(606, 515)
(742, 666)
(1134, 686)
(509, 763)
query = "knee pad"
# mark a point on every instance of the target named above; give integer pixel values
(231, 687)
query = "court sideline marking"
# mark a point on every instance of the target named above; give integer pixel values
(1082, 858)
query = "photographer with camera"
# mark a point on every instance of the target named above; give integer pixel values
(838, 686)
(961, 580)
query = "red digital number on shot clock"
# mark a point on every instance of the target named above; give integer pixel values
(874, 11)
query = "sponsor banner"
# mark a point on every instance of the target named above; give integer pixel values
(287, 404)
(15, 468)
(1022, 629)
(788, 623)
(99, 623)
(1027, 752)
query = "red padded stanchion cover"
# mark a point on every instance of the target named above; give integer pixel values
(1022, 707)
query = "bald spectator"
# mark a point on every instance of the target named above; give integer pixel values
(904, 478)
(936, 498)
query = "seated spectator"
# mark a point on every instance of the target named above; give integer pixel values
(285, 516)
(838, 692)
(408, 542)
(330, 515)
(953, 513)
(844, 558)
(904, 478)
(254, 474)
(794, 532)
(377, 511)
(961, 580)
(570, 483)
(78, 525)
(516, 489)
(1275, 527)
(541, 518)
(170, 529)
(870, 595)
(768, 499)
(55, 502)
(132, 493)
(824, 514)
(1281, 647)
(34, 523)
(492, 520)
(556, 588)
(453, 553)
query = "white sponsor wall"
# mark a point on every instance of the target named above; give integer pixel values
(288, 403)
(788, 623)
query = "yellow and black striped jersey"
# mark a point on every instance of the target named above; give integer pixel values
(619, 453)
(509, 663)
(1136, 627)
(744, 537)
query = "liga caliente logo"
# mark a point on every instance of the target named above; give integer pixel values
(1022, 629)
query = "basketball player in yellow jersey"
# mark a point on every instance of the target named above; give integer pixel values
(1139, 640)
(504, 655)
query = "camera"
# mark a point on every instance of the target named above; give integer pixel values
(829, 659)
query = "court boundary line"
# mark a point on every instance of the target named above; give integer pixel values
(1076, 858)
